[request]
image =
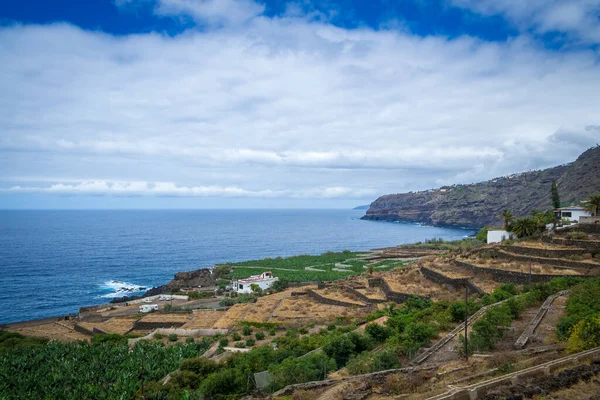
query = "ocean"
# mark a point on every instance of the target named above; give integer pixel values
(53, 262)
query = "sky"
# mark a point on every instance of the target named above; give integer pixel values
(286, 104)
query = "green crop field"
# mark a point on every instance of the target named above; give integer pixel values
(320, 268)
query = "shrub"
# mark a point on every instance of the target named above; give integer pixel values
(223, 342)
(584, 335)
(240, 345)
(259, 335)
(200, 366)
(186, 379)
(377, 332)
(227, 302)
(577, 235)
(272, 332)
(236, 336)
(280, 285)
(340, 348)
(189, 340)
(158, 336)
(331, 327)
(172, 337)
(419, 332)
(250, 342)
(246, 331)
(303, 331)
(112, 338)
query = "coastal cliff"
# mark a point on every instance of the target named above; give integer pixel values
(480, 204)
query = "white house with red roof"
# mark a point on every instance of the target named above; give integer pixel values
(264, 281)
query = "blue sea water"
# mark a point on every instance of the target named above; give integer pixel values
(53, 262)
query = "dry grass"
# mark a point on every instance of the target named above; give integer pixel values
(521, 267)
(304, 308)
(339, 295)
(203, 319)
(265, 306)
(232, 316)
(182, 318)
(412, 282)
(373, 293)
(116, 325)
(52, 331)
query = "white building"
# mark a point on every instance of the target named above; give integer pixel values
(572, 213)
(499, 236)
(264, 281)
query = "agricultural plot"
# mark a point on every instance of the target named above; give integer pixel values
(232, 316)
(265, 306)
(84, 371)
(304, 268)
(339, 295)
(52, 331)
(412, 282)
(203, 319)
(301, 309)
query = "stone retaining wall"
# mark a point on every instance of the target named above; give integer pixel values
(361, 296)
(332, 302)
(396, 297)
(460, 328)
(504, 276)
(548, 253)
(545, 261)
(147, 326)
(480, 389)
(82, 330)
(373, 378)
(587, 228)
(457, 283)
(593, 247)
(535, 322)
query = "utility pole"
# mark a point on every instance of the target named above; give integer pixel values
(530, 273)
(466, 322)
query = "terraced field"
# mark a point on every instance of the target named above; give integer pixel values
(265, 306)
(203, 319)
(232, 316)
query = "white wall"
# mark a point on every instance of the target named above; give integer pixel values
(575, 214)
(498, 236)
(265, 284)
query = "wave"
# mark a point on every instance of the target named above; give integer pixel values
(120, 288)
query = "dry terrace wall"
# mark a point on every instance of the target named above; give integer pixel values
(544, 261)
(396, 297)
(587, 228)
(500, 275)
(593, 247)
(524, 338)
(456, 283)
(324, 300)
(361, 296)
(548, 253)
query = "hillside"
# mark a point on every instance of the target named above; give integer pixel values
(480, 204)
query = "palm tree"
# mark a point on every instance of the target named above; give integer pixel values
(507, 216)
(593, 204)
(524, 227)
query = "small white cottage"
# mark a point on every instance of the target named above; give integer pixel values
(498, 236)
(572, 213)
(264, 281)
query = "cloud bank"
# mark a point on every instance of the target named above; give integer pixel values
(286, 106)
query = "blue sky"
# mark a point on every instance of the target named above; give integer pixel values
(243, 103)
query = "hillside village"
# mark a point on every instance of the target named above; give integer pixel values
(389, 324)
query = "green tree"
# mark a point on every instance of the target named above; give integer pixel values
(593, 204)
(340, 348)
(523, 227)
(555, 196)
(507, 216)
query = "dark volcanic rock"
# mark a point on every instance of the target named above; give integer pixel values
(481, 204)
(199, 277)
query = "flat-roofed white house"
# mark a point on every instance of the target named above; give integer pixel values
(497, 236)
(264, 281)
(572, 213)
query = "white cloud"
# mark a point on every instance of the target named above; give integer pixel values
(170, 189)
(211, 12)
(576, 18)
(286, 104)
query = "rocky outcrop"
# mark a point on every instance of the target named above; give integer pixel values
(480, 204)
(199, 277)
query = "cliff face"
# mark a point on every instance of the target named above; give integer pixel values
(481, 204)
